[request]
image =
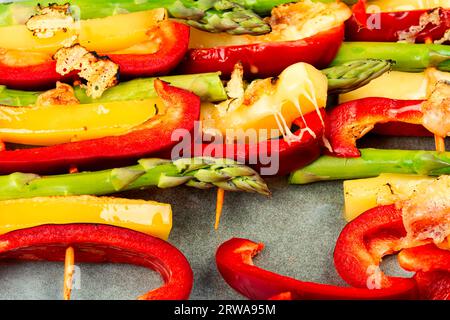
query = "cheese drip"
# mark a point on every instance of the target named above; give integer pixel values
(270, 106)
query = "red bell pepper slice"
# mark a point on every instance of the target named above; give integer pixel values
(392, 24)
(266, 59)
(433, 285)
(175, 41)
(234, 261)
(104, 244)
(425, 258)
(183, 109)
(433, 270)
(364, 242)
(352, 120)
(290, 156)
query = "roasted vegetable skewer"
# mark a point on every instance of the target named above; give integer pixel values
(207, 86)
(202, 173)
(212, 16)
(342, 78)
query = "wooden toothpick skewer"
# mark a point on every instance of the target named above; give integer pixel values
(219, 206)
(69, 261)
(69, 269)
(440, 143)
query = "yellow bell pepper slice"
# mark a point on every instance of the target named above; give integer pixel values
(50, 125)
(149, 217)
(102, 35)
(363, 194)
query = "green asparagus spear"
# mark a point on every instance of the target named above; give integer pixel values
(372, 163)
(342, 78)
(209, 15)
(264, 7)
(207, 86)
(202, 173)
(407, 56)
(352, 75)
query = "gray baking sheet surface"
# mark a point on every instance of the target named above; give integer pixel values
(298, 224)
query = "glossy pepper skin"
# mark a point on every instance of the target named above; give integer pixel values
(104, 244)
(351, 120)
(234, 261)
(425, 258)
(183, 109)
(393, 23)
(290, 156)
(365, 241)
(432, 267)
(264, 60)
(175, 40)
(379, 232)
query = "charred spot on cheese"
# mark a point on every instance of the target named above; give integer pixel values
(426, 214)
(432, 17)
(63, 94)
(99, 72)
(436, 110)
(50, 20)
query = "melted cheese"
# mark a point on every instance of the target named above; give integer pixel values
(270, 106)
(426, 19)
(99, 72)
(50, 20)
(436, 110)
(426, 214)
(361, 195)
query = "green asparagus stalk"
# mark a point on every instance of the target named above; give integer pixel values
(264, 7)
(209, 15)
(352, 75)
(342, 78)
(207, 86)
(17, 98)
(407, 56)
(372, 163)
(201, 173)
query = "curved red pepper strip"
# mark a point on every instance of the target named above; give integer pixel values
(234, 261)
(425, 258)
(433, 270)
(183, 109)
(290, 156)
(102, 244)
(433, 285)
(175, 40)
(266, 59)
(365, 241)
(352, 120)
(401, 129)
(392, 24)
